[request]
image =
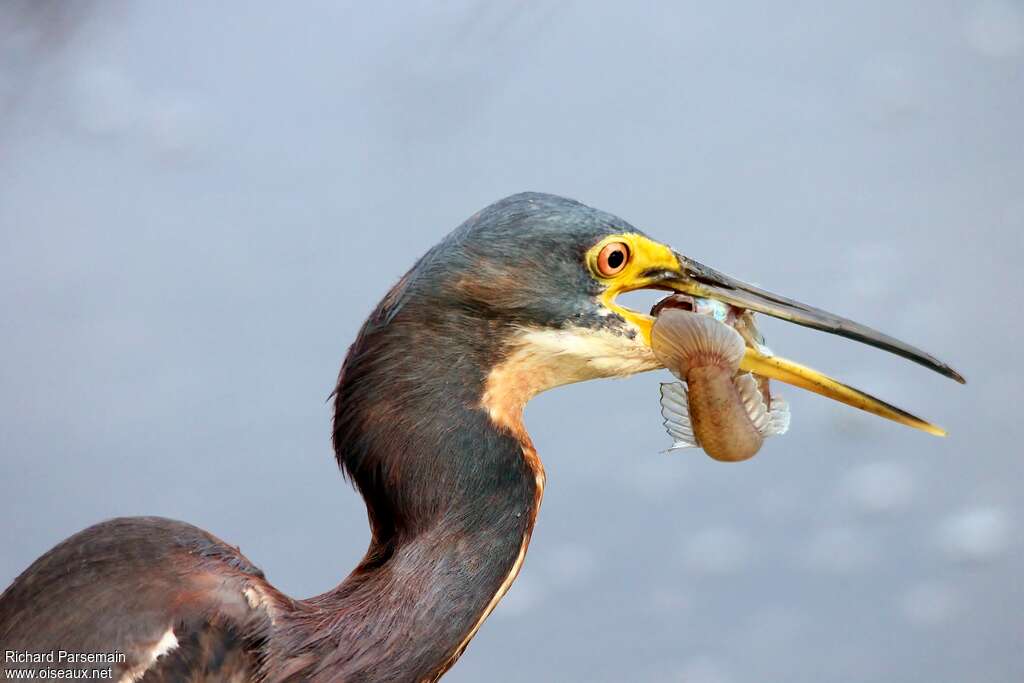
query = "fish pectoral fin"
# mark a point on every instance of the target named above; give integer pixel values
(675, 408)
(778, 415)
(768, 420)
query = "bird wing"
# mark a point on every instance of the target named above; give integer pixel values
(154, 599)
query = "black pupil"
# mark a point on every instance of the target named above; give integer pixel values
(616, 258)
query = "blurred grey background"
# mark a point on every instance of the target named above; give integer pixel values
(199, 204)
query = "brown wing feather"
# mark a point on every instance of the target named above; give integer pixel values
(119, 586)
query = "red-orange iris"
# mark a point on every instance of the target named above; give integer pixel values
(612, 259)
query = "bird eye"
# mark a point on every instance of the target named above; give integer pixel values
(612, 259)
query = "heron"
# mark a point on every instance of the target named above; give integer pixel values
(428, 427)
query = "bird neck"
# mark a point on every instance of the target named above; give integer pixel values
(452, 491)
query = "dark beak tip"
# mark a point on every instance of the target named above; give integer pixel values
(744, 295)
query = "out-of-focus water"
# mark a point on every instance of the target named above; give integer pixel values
(199, 205)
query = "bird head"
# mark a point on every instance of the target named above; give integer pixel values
(540, 277)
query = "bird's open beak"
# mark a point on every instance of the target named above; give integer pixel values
(681, 274)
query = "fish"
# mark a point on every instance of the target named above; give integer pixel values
(716, 407)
